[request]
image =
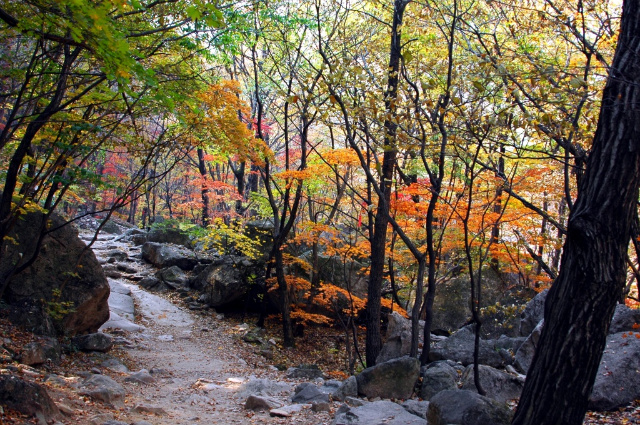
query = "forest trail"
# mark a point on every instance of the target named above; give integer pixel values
(197, 359)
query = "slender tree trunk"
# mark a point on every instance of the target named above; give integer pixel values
(582, 300)
(379, 239)
(287, 328)
(417, 307)
(204, 190)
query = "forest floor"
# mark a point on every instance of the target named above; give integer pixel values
(199, 362)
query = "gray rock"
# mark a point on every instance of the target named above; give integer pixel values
(262, 387)
(173, 277)
(117, 322)
(618, 379)
(141, 377)
(393, 379)
(461, 407)
(115, 365)
(524, 355)
(308, 393)
(121, 301)
(255, 402)
(330, 386)
(254, 336)
(533, 313)
(416, 407)
(94, 342)
(511, 344)
(117, 254)
(126, 268)
(305, 372)
(134, 231)
(287, 411)
(162, 255)
(624, 319)
(354, 401)
(166, 235)
(398, 341)
(395, 347)
(498, 385)
(348, 388)
(378, 412)
(111, 271)
(226, 279)
(138, 240)
(65, 274)
(27, 397)
(153, 283)
(320, 406)
(39, 352)
(112, 228)
(459, 347)
(103, 388)
(438, 376)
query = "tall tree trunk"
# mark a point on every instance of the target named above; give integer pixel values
(204, 190)
(379, 239)
(582, 300)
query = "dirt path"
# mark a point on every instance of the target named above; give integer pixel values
(197, 360)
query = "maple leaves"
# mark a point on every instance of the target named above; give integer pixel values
(221, 121)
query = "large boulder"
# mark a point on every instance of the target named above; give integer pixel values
(398, 341)
(436, 377)
(111, 227)
(163, 255)
(524, 355)
(226, 280)
(533, 313)
(393, 379)
(348, 388)
(342, 273)
(459, 347)
(462, 407)
(378, 412)
(625, 319)
(173, 277)
(165, 234)
(498, 385)
(65, 274)
(451, 306)
(152, 283)
(618, 379)
(27, 397)
(31, 315)
(502, 298)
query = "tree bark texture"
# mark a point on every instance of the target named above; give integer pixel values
(582, 300)
(379, 239)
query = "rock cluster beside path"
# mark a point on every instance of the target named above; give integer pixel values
(183, 364)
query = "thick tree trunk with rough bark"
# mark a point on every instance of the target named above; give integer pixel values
(582, 300)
